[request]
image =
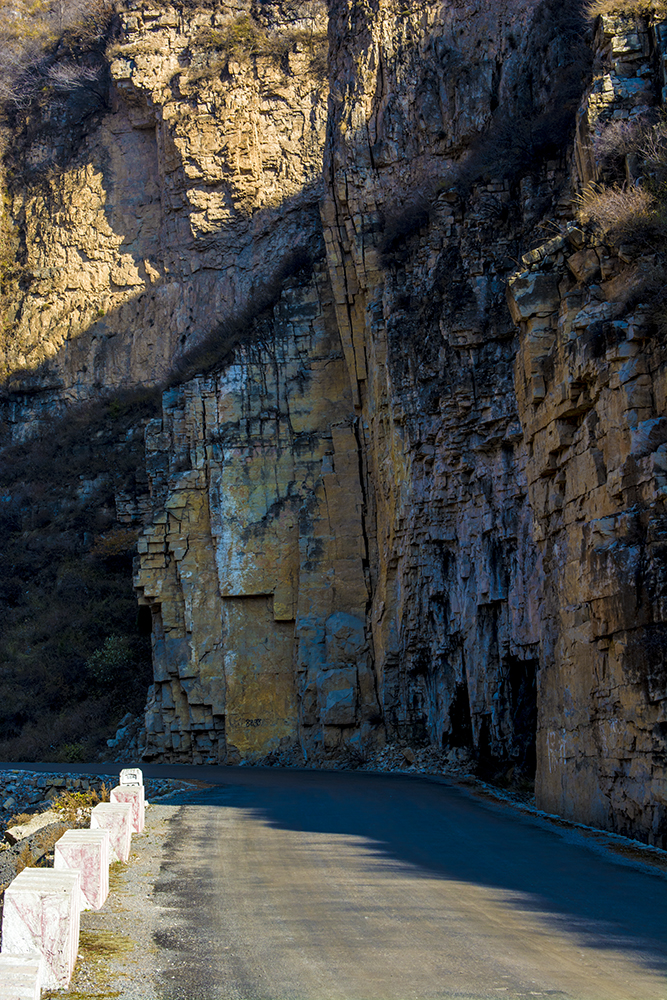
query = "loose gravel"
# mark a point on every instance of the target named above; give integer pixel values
(33, 791)
(118, 956)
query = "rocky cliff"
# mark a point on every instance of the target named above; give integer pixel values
(408, 475)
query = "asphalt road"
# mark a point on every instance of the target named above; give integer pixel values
(354, 886)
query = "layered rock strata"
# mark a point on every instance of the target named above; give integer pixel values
(390, 506)
(591, 388)
(183, 205)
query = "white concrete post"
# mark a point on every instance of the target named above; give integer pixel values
(87, 851)
(20, 977)
(131, 776)
(116, 817)
(134, 794)
(41, 913)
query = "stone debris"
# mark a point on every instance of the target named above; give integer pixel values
(29, 851)
(34, 791)
(15, 833)
(456, 762)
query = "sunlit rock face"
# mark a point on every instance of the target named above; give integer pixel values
(183, 204)
(255, 565)
(415, 490)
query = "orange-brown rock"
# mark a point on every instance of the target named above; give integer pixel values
(416, 490)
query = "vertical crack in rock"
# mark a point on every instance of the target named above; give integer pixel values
(409, 481)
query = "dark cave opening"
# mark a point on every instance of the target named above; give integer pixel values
(522, 690)
(460, 723)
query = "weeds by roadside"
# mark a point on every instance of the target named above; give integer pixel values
(75, 807)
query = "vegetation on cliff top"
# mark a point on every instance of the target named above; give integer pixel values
(49, 49)
(213, 48)
(627, 8)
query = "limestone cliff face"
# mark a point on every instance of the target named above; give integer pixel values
(255, 564)
(590, 384)
(417, 494)
(179, 210)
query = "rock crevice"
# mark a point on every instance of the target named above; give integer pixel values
(412, 485)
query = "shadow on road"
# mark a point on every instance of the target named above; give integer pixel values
(437, 831)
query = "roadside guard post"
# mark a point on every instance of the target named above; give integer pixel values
(131, 776)
(41, 913)
(20, 977)
(116, 817)
(86, 851)
(131, 789)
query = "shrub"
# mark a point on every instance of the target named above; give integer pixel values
(75, 807)
(616, 139)
(245, 36)
(71, 753)
(624, 215)
(118, 542)
(45, 46)
(633, 213)
(110, 661)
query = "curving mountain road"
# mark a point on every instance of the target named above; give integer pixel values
(354, 886)
(311, 885)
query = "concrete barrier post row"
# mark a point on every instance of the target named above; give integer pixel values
(40, 921)
(20, 977)
(41, 913)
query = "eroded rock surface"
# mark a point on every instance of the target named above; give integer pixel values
(182, 206)
(416, 491)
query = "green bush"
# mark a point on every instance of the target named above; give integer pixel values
(108, 663)
(71, 753)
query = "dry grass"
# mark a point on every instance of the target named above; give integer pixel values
(629, 8)
(20, 819)
(629, 216)
(618, 138)
(75, 807)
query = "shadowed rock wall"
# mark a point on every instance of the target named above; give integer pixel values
(391, 505)
(591, 388)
